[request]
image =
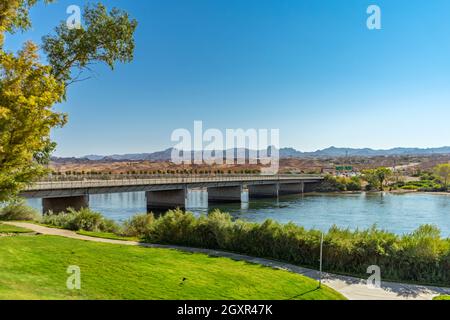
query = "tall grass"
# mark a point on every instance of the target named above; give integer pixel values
(84, 219)
(422, 256)
(18, 210)
(138, 225)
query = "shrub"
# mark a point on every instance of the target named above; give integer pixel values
(409, 187)
(353, 184)
(18, 210)
(138, 225)
(422, 185)
(174, 227)
(330, 184)
(62, 220)
(336, 184)
(109, 225)
(84, 219)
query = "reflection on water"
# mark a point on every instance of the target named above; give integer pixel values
(197, 201)
(396, 213)
(119, 206)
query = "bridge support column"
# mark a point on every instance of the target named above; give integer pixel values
(225, 194)
(59, 205)
(292, 188)
(311, 186)
(263, 191)
(165, 200)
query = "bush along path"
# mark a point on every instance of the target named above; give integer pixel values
(352, 288)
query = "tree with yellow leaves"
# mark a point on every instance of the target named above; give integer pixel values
(30, 89)
(443, 172)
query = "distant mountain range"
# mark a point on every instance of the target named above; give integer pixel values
(284, 153)
(363, 152)
(155, 156)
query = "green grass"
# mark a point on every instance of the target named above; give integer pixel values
(35, 268)
(44, 225)
(94, 234)
(107, 235)
(12, 229)
(442, 298)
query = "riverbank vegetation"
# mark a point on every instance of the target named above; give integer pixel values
(422, 185)
(384, 179)
(421, 256)
(84, 219)
(428, 181)
(337, 184)
(17, 210)
(377, 179)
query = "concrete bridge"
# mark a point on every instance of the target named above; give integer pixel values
(164, 193)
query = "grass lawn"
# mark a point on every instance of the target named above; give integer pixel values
(11, 229)
(34, 267)
(442, 298)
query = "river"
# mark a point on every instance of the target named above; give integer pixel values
(398, 213)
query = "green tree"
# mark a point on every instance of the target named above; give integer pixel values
(29, 89)
(443, 172)
(378, 177)
(353, 184)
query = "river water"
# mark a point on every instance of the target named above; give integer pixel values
(398, 213)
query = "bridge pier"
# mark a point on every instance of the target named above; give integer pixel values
(264, 191)
(225, 194)
(292, 188)
(165, 199)
(312, 186)
(59, 205)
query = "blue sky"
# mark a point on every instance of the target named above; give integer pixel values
(309, 68)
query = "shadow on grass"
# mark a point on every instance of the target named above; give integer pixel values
(303, 294)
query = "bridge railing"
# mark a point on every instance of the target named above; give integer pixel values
(96, 177)
(52, 185)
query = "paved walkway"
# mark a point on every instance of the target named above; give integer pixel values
(350, 287)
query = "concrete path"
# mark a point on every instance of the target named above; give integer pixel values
(352, 288)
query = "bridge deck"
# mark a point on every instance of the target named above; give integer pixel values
(74, 188)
